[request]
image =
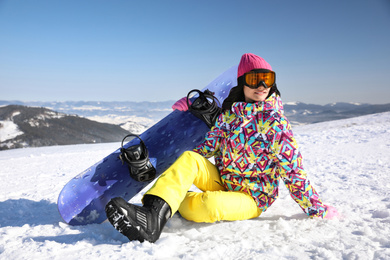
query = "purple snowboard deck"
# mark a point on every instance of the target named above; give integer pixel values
(83, 199)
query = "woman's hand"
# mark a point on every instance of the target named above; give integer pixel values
(332, 213)
(181, 104)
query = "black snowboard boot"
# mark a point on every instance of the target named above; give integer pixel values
(139, 223)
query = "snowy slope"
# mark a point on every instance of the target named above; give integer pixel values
(347, 162)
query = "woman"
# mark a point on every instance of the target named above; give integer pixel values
(253, 147)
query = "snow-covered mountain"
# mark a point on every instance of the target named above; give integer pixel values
(143, 113)
(136, 117)
(347, 162)
(22, 126)
(301, 113)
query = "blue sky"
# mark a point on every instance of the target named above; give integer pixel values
(322, 51)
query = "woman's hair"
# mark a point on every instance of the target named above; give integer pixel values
(236, 94)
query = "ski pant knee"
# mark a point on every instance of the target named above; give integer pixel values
(190, 168)
(212, 206)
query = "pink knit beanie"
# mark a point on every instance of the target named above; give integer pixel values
(249, 62)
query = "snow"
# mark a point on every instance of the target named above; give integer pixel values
(347, 162)
(88, 108)
(292, 103)
(133, 124)
(8, 130)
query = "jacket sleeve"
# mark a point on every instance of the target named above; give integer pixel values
(289, 161)
(212, 141)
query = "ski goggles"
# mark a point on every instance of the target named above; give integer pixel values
(259, 77)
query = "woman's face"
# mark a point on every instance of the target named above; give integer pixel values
(255, 95)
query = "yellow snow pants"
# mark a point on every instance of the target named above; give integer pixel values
(215, 203)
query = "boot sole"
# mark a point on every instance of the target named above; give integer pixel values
(120, 221)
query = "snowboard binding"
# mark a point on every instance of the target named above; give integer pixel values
(205, 107)
(137, 159)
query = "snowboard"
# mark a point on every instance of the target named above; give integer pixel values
(83, 199)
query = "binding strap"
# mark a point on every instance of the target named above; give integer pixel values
(205, 107)
(137, 159)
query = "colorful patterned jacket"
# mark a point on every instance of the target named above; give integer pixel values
(254, 147)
